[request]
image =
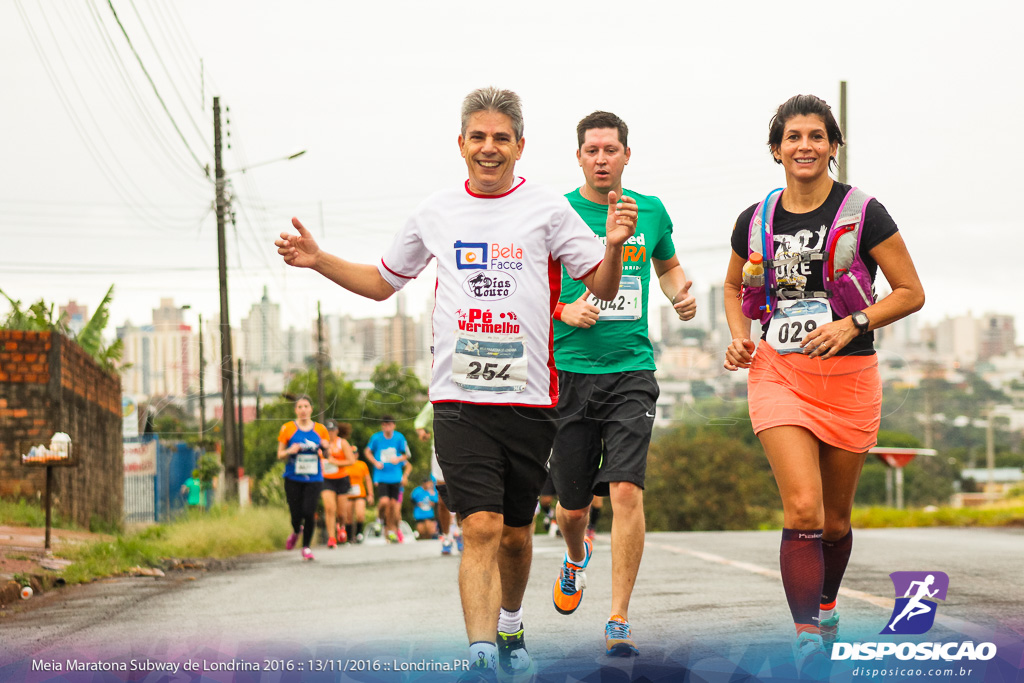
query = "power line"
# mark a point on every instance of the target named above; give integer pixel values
(155, 90)
(79, 126)
(166, 71)
(166, 160)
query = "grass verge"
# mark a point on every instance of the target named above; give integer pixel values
(218, 533)
(1010, 513)
(24, 513)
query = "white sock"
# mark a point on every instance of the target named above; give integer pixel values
(482, 650)
(824, 614)
(510, 622)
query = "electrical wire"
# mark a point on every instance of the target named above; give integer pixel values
(167, 161)
(76, 121)
(163, 104)
(166, 71)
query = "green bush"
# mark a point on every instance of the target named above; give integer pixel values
(701, 479)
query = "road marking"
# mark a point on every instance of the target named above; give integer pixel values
(959, 625)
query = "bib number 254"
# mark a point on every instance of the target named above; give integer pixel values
(488, 371)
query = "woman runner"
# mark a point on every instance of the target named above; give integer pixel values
(814, 390)
(301, 442)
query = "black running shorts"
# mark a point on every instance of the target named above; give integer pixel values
(339, 486)
(604, 430)
(493, 458)
(391, 491)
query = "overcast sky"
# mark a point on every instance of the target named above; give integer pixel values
(98, 187)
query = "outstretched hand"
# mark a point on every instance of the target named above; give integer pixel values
(298, 250)
(621, 223)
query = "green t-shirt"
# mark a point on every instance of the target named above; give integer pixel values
(196, 494)
(615, 345)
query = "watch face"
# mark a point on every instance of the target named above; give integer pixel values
(860, 320)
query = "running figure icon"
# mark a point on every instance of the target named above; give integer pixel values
(916, 606)
(917, 595)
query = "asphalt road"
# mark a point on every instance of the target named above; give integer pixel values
(710, 604)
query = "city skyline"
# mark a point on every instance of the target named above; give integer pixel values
(107, 183)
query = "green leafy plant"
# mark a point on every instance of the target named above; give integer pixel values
(40, 317)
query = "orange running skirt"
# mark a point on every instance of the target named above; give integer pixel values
(839, 400)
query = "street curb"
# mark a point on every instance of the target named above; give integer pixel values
(10, 591)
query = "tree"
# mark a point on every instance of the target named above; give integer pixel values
(927, 480)
(701, 479)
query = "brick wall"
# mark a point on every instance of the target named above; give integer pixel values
(49, 384)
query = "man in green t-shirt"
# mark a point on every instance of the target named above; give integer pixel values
(192, 490)
(607, 389)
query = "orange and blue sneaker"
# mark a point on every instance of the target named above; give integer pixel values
(572, 579)
(617, 640)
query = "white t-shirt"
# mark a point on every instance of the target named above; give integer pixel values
(499, 264)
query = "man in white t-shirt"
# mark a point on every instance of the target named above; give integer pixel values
(500, 244)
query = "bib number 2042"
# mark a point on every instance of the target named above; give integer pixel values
(488, 371)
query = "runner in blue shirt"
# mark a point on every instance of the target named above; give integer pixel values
(388, 453)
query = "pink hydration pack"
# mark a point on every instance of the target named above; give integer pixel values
(848, 284)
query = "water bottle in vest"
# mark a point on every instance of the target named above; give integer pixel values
(753, 271)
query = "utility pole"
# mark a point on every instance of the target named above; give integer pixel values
(842, 126)
(202, 392)
(990, 450)
(929, 417)
(226, 378)
(320, 362)
(241, 417)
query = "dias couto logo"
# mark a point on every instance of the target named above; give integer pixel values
(916, 605)
(489, 285)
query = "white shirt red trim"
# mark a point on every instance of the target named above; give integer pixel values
(499, 272)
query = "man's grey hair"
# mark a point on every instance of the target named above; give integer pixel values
(492, 99)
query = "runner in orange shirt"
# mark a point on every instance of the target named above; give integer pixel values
(359, 495)
(336, 483)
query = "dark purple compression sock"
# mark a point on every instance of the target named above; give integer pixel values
(803, 571)
(837, 556)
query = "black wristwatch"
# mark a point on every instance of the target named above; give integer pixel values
(860, 321)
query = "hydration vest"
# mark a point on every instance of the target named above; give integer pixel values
(847, 282)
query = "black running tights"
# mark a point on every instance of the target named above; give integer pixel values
(303, 497)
